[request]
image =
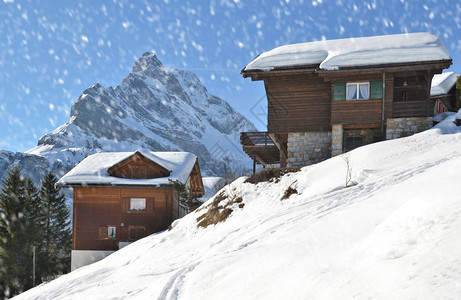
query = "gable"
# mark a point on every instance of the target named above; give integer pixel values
(137, 166)
(196, 182)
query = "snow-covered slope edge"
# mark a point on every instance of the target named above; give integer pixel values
(393, 235)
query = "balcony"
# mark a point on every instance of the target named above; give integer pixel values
(260, 147)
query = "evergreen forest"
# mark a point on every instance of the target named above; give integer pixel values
(35, 233)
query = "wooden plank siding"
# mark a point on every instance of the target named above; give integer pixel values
(412, 95)
(298, 103)
(196, 183)
(389, 95)
(356, 111)
(138, 167)
(303, 101)
(412, 109)
(360, 112)
(96, 207)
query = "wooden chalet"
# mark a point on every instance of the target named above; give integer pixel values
(121, 197)
(443, 92)
(328, 97)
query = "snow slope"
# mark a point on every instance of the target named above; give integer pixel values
(394, 235)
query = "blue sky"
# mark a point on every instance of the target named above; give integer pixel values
(50, 51)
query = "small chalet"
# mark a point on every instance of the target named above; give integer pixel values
(120, 197)
(328, 97)
(443, 92)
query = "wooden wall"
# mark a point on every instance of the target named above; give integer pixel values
(297, 103)
(196, 183)
(138, 167)
(356, 112)
(96, 207)
(412, 94)
(302, 101)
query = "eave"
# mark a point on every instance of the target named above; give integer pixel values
(437, 64)
(255, 74)
(108, 185)
(261, 74)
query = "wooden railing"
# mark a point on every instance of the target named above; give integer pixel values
(260, 147)
(256, 139)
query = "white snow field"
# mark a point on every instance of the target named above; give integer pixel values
(394, 235)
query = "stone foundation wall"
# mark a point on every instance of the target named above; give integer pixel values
(401, 127)
(337, 139)
(306, 148)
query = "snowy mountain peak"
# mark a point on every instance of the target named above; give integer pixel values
(94, 89)
(147, 61)
(154, 109)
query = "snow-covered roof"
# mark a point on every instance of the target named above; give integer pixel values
(442, 83)
(354, 52)
(93, 170)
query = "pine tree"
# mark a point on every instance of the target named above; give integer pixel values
(56, 236)
(18, 233)
(186, 198)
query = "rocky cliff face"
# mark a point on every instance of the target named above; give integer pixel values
(154, 109)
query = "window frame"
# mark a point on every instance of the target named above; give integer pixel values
(104, 231)
(357, 86)
(137, 210)
(114, 235)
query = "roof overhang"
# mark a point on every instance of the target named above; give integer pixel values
(108, 185)
(424, 65)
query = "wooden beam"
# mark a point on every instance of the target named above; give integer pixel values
(281, 148)
(258, 158)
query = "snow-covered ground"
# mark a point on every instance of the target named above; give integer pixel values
(394, 235)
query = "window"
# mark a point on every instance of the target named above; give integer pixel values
(111, 230)
(358, 90)
(372, 90)
(138, 204)
(107, 232)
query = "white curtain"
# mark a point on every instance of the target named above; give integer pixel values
(364, 91)
(111, 231)
(137, 203)
(351, 92)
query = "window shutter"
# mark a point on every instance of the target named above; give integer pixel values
(339, 91)
(125, 204)
(150, 204)
(376, 89)
(102, 232)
